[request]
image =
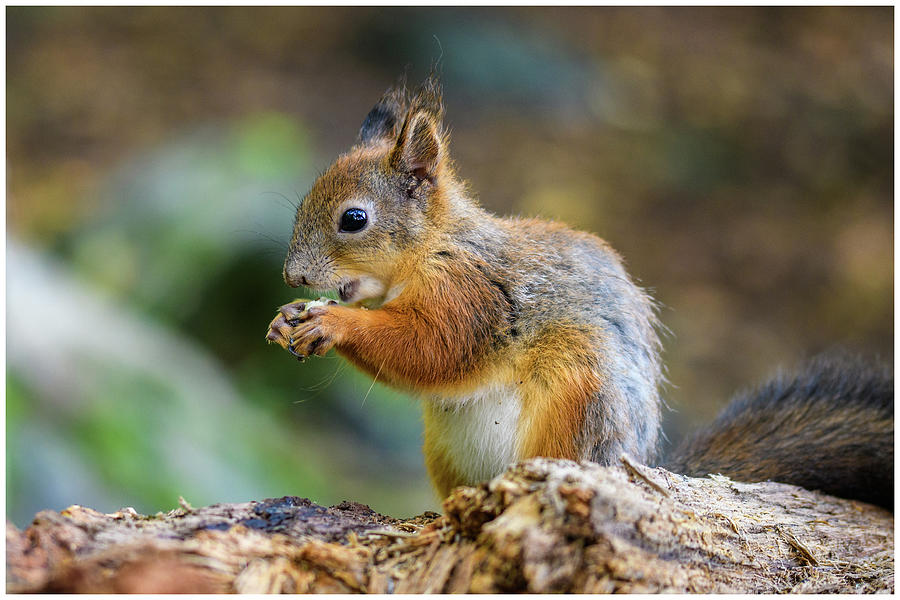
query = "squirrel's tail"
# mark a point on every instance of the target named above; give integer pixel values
(828, 427)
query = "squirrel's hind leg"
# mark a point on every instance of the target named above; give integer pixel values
(558, 379)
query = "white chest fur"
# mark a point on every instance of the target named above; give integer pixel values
(477, 432)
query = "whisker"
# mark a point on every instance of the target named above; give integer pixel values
(341, 366)
(270, 252)
(280, 243)
(326, 381)
(290, 206)
(317, 389)
(366, 397)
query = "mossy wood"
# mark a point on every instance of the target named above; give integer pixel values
(543, 526)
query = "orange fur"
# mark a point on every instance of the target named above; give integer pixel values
(560, 380)
(436, 333)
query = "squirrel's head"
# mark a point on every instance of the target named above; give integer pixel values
(358, 227)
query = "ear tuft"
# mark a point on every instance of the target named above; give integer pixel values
(429, 98)
(384, 120)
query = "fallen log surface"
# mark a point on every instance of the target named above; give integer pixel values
(543, 526)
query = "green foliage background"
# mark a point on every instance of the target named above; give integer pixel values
(741, 159)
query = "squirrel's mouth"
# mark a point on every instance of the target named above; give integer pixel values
(347, 290)
(363, 290)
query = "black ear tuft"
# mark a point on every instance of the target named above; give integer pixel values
(379, 123)
(384, 120)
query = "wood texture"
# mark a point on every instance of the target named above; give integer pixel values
(543, 526)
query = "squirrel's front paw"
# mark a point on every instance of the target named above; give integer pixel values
(298, 328)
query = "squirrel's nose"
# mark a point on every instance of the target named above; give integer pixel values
(295, 270)
(295, 280)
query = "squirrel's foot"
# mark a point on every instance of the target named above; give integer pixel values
(298, 328)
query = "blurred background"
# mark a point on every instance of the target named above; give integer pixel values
(740, 159)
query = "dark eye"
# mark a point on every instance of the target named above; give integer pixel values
(353, 219)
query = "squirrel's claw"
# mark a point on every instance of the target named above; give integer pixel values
(309, 338)
(296, 328)
(300, 357)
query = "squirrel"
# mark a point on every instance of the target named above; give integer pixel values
(522, 337)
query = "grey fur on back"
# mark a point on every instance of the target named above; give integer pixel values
(553, 275)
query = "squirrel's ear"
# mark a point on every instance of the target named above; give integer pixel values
(420, 149)
(384, 120)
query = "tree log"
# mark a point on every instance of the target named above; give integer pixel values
(543, 526)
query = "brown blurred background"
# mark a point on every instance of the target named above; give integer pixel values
(741, 159)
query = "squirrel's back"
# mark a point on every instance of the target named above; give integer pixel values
(559, 281)
(827, 427)
(573, 278)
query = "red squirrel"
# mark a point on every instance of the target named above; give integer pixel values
(522, 337)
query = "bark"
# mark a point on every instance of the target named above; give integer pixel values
(543, 526)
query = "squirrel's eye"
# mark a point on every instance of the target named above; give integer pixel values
(353, 220)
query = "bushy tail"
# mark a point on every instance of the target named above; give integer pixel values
(828, 427)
